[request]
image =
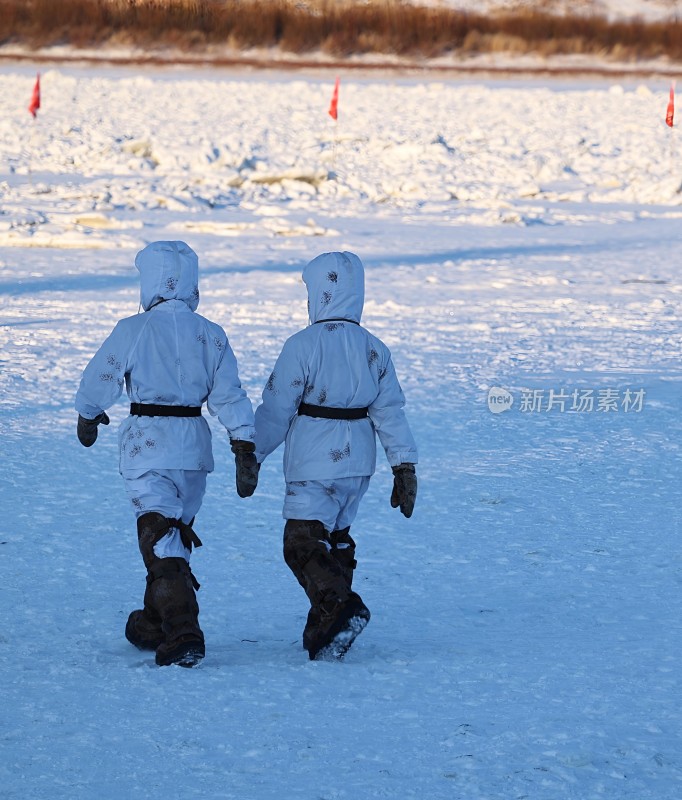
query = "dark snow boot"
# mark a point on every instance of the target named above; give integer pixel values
(312, 623)
(170, 602)
(343, 550)
(340, 624)
(142, 631)
(143, 628)
(309, 553)
(173, 595)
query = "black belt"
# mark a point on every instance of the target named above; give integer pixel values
(327, 412)
(151, 410)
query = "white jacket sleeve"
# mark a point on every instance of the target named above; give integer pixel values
(281, 398)
(389, 420)
(229, 401)
(104, 377)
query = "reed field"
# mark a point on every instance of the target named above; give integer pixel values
(334, 28)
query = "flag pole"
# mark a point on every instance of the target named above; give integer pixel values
(334, 114)
(33, 107)
(670, 121)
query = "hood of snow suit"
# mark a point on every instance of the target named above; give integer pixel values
(168, 271)
(336, 287)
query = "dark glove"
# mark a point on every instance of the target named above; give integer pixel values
(404, 488)
(87, 428)
(247, 467)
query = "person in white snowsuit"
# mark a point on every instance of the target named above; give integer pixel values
(171, 360)
(332, 389)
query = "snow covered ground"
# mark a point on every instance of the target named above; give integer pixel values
(523, 238)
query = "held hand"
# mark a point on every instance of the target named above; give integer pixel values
(87, 428)
(246, 467)
(404, 491)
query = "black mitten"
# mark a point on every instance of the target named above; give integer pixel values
(404, 488)
(246, 467)
(87, 428)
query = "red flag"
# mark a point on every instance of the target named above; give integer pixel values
(34, 105)
(670, 113)
(334, 106)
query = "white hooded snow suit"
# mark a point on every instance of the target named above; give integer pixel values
(333, 362)
(169, 356)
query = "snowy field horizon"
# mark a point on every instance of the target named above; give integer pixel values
(613, 9)
(522, 246)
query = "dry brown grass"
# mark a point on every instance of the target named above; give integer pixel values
(337, 28)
